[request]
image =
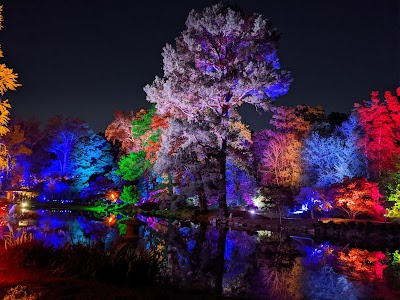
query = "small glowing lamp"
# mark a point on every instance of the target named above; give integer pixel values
(113, 196)
(252, 211)
(111, 219)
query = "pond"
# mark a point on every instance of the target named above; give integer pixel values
(253, 265)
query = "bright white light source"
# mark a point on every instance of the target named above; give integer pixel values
(24, 204)
(252, 211)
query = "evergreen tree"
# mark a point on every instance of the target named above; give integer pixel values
(223, 59)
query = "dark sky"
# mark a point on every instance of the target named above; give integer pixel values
(86, 58)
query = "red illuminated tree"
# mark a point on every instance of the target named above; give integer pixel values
(120, 130)
(381, 123)
(223, 59)
(362, 264)
(357, 196)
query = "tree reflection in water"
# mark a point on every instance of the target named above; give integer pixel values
(253, 265)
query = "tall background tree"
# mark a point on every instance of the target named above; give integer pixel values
(380, 121)
(62, 134)
(223, 59)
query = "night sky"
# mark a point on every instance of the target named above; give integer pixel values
(85, 58)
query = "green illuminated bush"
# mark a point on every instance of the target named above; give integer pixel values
(129, 195)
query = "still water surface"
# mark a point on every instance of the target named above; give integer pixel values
(253, 265)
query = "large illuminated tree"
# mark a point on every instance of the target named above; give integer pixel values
(279, 161)
(91, 157)
(329, 159)
(61, 135)
(223, 59)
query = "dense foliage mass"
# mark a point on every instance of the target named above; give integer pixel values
(191, 147)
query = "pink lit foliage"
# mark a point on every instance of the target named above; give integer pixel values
(381, 123)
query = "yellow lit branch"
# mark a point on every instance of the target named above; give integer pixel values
(1, 17)
(4, 158)
(4, 116)
(1, 25)
(8, 79)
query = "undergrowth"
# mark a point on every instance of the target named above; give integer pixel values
(123, 263)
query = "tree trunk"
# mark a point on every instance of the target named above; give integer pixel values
(202, 198)
(196, 257)
(223, 208)
(220, 260)
(147, 183)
